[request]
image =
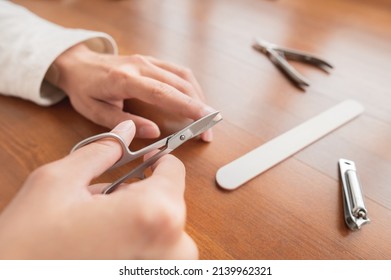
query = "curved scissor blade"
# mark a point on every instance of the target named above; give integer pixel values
(203, 124)
(192, 130)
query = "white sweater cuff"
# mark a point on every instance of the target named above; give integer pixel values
(29, 45)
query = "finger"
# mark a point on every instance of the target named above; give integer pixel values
(168, 171)
(164, 96)
(161, 95)
(164, 76)
(93, 159)
(184, 249)
(168, 179)
(97, 188)
(186, 75)
(182, 72)
(109, 115)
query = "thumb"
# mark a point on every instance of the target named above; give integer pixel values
(111, 115)
(95, 158)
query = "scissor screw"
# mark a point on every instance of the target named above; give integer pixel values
(182, 137)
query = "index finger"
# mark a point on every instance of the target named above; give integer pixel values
(168, 178)
(166, 97)
(182, 72)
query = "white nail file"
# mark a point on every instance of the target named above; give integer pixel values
(250, 165)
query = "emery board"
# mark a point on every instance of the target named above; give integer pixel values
(250, 165)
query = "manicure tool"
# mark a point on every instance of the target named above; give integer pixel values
(355, 212)
(250, 165)
(167, 145)
(279, 55)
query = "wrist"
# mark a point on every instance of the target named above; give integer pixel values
(61, 69)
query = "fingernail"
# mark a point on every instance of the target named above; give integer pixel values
(148, 131)
(207, 136)
(124, 126)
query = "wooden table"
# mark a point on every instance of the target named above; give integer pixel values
(292, 211)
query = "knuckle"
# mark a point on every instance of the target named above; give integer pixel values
(118, 79)
(165, 221)
(139, 59)
(179, 165)
(186, 87)
(46, 173)
(186, 73)
(160, 91)
(116, 75)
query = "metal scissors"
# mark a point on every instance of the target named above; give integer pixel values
(166, 145)
(279, 56)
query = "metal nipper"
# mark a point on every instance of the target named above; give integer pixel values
(279, 55)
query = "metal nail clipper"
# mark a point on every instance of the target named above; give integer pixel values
(355, 211)
(167, 145)
(279, 55)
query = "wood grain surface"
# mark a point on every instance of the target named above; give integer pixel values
(292, 211)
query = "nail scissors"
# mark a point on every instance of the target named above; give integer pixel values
(279, 56)
(167, 145)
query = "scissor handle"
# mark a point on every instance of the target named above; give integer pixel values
(138, 172)
(98, 137)
(127, 155)
(166, 145)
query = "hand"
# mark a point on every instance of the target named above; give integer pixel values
(98, 84)
(57, 215)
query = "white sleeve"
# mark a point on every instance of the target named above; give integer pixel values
(30, 44)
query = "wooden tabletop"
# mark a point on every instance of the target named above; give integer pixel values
(292, 211)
